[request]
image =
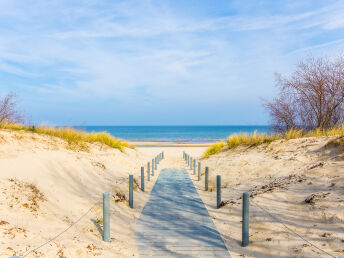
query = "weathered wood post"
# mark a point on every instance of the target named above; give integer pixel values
(191, 163)
(152, 167)
(194, 167)
(199, 171)
(142, 179)
(106, 217)
(148, 171)
(245, 218)
(188, 160)
(206, 178)
(163, 155)
(218, 190)
(131, 193)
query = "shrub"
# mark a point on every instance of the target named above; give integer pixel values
(9, 112)
(311, 97)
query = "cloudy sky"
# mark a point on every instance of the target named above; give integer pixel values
(157, 62)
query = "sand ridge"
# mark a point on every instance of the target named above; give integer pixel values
(300, 182)
(45, 187)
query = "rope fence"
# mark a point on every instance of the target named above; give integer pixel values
(106, 208)
(244, 195)
(191, 164)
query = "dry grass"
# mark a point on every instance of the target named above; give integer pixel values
(250, 139)
(73, 137)
(213, 149)
(244, 139)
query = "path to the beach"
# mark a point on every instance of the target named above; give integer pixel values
(175, 221)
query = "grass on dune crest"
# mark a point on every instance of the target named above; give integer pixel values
(73, 137)
(213, 149)
(255, 138)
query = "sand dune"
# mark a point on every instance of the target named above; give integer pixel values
(300, 182)
(45, 187)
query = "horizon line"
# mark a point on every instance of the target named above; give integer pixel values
(161, 125)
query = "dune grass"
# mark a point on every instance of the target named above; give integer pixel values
(72, 136)
(213, 149)
(253, 139)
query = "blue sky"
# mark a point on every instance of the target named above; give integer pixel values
(157, 62)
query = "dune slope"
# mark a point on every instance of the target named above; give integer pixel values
(45, 187)
(299, 182)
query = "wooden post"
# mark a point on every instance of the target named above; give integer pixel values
(106, 217)
(152, 167)
(194, 167)
(142, 179)
(199, 171)
(131, 193)
(245, 218)
(218, 190)
(148, 171)
(206, 178)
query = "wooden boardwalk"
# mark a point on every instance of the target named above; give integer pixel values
(175, 221)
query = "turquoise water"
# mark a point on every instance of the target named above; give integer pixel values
(184, 134)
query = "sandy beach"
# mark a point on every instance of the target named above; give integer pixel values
(47, 187)
(93, 92)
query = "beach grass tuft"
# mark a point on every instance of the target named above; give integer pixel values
(250, 139)
(254, 139)
(73, 137)
(213, 149)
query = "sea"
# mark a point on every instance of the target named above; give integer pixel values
(180, 133)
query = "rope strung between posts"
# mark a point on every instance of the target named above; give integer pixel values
(62, 232)
(288, 228)
(281, 222)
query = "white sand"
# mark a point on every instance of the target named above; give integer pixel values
(298, 168)
(68, 183)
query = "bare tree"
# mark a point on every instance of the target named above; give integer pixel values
(312, 97)
(9, 112)
(283, 112)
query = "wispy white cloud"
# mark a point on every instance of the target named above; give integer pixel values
(155, 52)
